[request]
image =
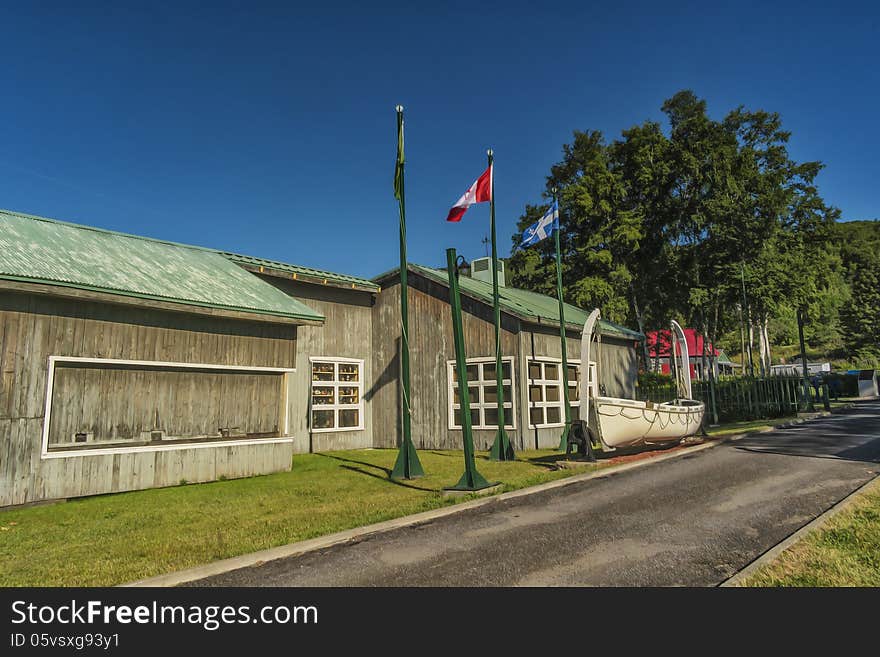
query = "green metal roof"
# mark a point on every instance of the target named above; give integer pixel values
(47, 251)
(302, 273)
(531, 306)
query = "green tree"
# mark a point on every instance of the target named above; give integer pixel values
(597, 231)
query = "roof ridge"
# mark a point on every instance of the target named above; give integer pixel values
(232, 255)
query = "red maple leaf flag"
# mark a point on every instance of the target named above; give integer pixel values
(479, 192)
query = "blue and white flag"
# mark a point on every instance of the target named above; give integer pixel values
(542, 228)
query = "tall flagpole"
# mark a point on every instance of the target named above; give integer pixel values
(407, 465)
(563, 441)
(501, 450)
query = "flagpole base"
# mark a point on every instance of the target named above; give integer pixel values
(471, 482)
(563, 439)
(407, 465)
(502, 449)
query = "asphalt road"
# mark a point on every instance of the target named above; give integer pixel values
(690, 521)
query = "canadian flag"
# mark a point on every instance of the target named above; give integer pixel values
(479, 192)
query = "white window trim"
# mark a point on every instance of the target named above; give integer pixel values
(47, 413)
(509, 404)
(335, 384)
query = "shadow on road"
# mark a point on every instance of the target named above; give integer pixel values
(827, 439)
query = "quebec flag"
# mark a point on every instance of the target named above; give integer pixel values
(542, 228)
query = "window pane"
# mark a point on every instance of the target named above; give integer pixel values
(552, 393)
(475, 417)
(534, 370)
(488, 371)
(349, 417)
(551, 371)
(473, 372)
(348, 372)
(575, 413)
(322, 371)
(553, 414)
(572, 372)
(348, 396)
(490, 394)
(535, 393)
(536, 416)
(322, 395)
(492, 417)
(508, 395)
(322, 419)
(573, 392)
(505, 369)
(473, 395)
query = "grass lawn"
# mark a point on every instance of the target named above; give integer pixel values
(113, 539)
(845, 552)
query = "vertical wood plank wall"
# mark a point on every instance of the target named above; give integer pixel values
(346, 333)
(431, 346)
(33, 327)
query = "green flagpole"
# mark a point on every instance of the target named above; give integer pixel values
(563, 440)
(501, 450)
(407, 465)
(471, 480)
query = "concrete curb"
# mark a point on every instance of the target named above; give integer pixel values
(814, 525)
(358, 533)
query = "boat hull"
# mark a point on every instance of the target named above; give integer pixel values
(629, 423)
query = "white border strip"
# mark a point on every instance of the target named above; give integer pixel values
(160, 363)
(47, 415)
(164, 448)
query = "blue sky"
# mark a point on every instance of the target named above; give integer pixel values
(269, 129)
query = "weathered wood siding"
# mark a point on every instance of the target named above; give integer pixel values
(33, 327)
(346, 333)
(120, 404)
(617, 366)
(431, 346)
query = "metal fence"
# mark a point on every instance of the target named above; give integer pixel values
(731, 399)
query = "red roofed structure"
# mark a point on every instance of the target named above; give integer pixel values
(659, 344)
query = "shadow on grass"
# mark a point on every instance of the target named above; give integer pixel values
(386, 479)
(387, 471)
(385, 476)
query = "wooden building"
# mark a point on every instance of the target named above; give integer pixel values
(531, 348)
(130, 363)
(330, 393)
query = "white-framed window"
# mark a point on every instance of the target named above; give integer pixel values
(337, 402)
(482, 393)
(546, 398)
